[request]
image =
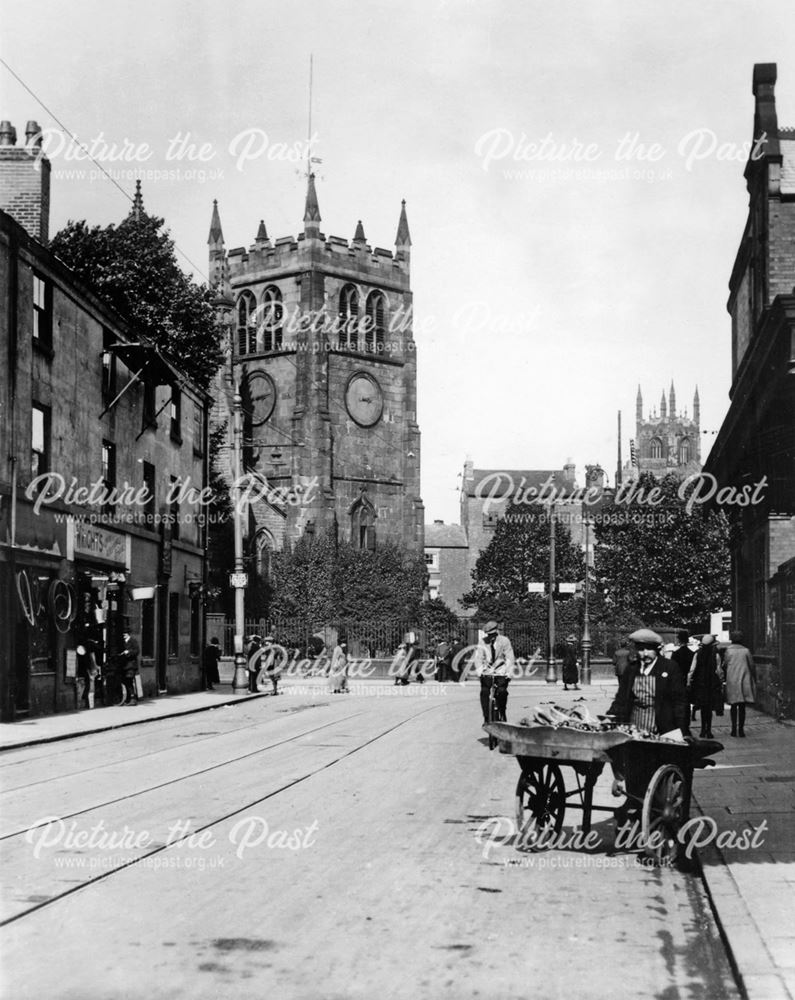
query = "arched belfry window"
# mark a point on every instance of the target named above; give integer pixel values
(684, 451)
(246, 324)
(376, 321)
(272, 319)
(363, 515)
(655, 448)
(349, 318)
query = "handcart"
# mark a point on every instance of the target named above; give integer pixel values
(657, 773)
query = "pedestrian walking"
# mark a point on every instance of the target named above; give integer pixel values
(682, 655)
(740, 681)
(621, 659)
(338, 671)
(444, 657)
(253, 661)
(571, 673)
(129, 660)
(210, 658)
(494, 663)
(271, 662)
(705, 684)
(87, 671)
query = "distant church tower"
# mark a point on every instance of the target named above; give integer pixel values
(667, 441)
(320, 345)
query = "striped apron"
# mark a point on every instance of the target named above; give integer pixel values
(643, 708)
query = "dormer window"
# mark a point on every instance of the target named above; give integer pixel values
(246, 324)
(272, 319)
(349, 318)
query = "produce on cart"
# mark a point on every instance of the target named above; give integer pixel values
(656, 772)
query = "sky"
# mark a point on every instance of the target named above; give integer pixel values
(573, 174)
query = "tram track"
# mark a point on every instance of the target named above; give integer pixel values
(178, 720)
(161, 848)
(183, 777)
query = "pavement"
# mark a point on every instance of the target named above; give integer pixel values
(746, 839)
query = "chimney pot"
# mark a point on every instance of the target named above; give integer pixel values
(8, 134)
(32, 134)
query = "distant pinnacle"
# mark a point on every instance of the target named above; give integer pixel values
(216, 235)
(358, 236)
(262, 232)
(312, 209)
(403, 239)
(138, 202)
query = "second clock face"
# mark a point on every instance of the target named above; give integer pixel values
(261, 395)
(364, 399)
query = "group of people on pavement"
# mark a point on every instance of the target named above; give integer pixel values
(707, 675)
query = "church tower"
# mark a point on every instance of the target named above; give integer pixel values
(667, 441)
(322, 351)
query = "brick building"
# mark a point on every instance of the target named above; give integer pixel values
(447, 562)
(756, 442)
(320, 347)
(87, 406)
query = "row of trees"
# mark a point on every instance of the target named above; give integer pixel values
(653, 565)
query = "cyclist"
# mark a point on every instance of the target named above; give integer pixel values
(494, 663)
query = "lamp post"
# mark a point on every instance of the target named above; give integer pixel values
(224, 305)
(552, 677)
(239, 577)
(586, 621)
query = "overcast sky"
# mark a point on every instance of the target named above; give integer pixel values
(545, 289)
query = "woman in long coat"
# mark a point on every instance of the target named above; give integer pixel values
(571, 674)
(705, 684)
(740, 680)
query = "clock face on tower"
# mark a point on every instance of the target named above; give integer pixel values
(261, 394)
(364, 399)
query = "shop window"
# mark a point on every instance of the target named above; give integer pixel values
(42, 311)
(148, 629)
(173, 624)
(175, 410)
(39, 440)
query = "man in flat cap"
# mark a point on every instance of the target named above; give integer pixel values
(652, 697)
(651, 693)
(494, 663)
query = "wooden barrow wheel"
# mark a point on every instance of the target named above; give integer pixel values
(540, 804)
(664, 813)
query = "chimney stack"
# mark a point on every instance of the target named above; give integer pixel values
(25, 180)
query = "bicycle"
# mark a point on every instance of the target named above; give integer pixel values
(494, 713)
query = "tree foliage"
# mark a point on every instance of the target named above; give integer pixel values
(320, 580)
(659, 562)
(518, 554)
(133, 267)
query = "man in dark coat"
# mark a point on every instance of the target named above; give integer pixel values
(129, 659)
(668, 706)
(210, 658)
(682, 656)
(571, 674)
